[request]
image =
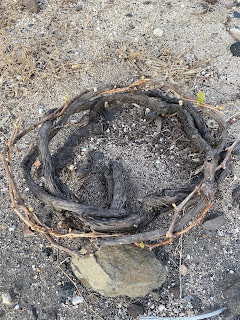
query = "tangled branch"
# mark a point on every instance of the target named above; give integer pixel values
(115, 225)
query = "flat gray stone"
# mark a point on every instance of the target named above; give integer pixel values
(31, 5)
(214, 224)
(120, 271)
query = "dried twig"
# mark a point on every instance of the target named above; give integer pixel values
(228, 154)
(183, 231)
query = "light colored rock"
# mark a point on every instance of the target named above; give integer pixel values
(236, 33)
(41, 111)
(31, 5)
(120, 271)
(76, 300)
(183, 270)
(7, 299)
(158, 32)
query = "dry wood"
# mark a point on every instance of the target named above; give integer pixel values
(108, 226)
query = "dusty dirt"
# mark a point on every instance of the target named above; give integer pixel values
(56, 53)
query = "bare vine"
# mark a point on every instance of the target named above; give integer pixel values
(115, 225)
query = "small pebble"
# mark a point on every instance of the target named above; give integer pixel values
(158, 32)
(147, 111)
(76, 300)
(12, 228)
(183, 270)
(161, 307)
(16, 307)
(231, 271)
(135, 310)
(7, 299)
(235, 49)
(41, 111)
(78, 8)
(220, 233)
(235, 32)
(31, 5)
(236, 14)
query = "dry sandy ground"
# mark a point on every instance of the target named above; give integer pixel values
(59, 51)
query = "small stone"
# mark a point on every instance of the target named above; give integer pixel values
(78, 8)
(183, 270)
(134, 310)
(7, 299)
(220, 233)
(214, 224)
(236, 14)
(16, 307)
(175, 291)
(235, 33)
(128, 15)
(161, 307)
(31, 5)
(76, 300)
(94, 298)
(158, 32)
(41, 111)
(12, 228)
(235, 49)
